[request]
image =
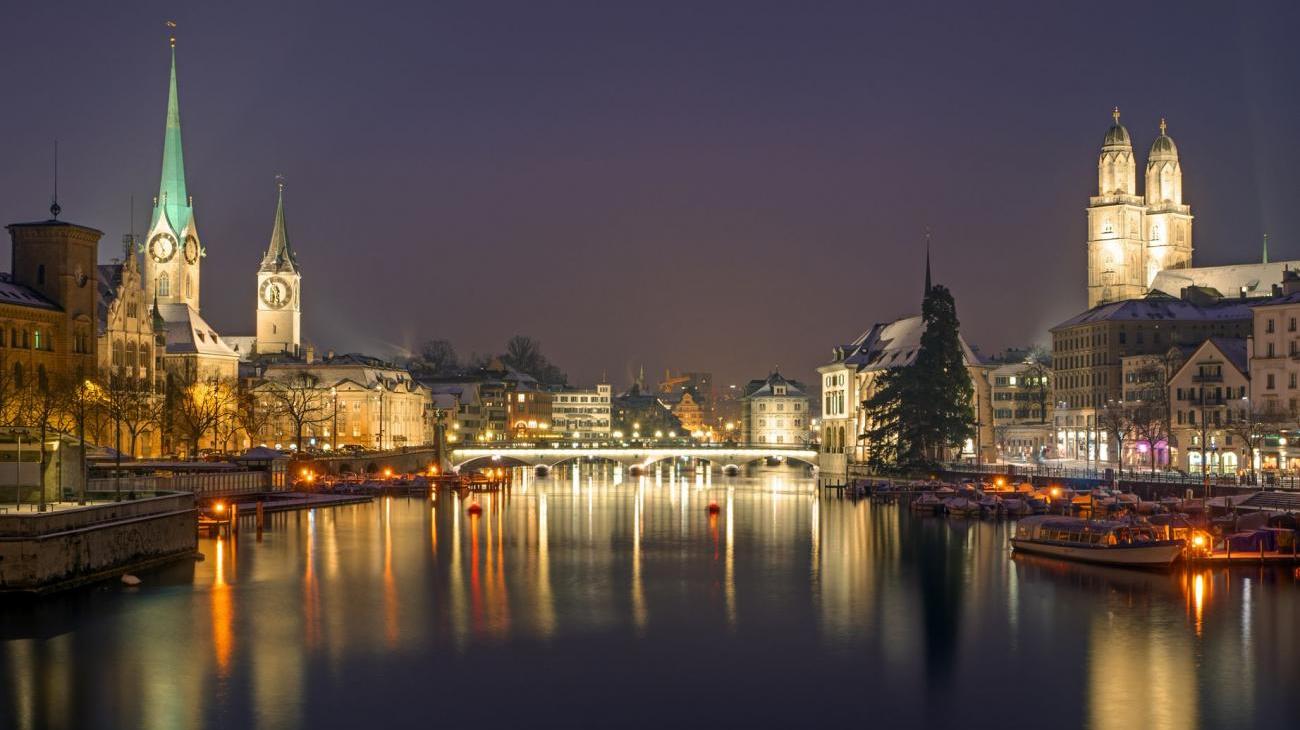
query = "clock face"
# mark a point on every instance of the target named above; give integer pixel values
(276, 292)
(162, 247)
(191, 249)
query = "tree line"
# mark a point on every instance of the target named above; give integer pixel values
(438, 358)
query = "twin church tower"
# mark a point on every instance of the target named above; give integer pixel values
(1133, 237)
(173, 254)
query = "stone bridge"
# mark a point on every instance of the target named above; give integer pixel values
(543, 459)
(636, 458)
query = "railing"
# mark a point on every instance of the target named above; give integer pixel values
(223, 484)
(1133, 474)
(1207, 378)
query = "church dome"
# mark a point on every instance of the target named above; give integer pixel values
(1163, 148)
(1117, 135)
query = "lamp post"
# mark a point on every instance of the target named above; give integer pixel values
(380, 387)
(334, 427)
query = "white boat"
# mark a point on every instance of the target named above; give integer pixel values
(1132, 544)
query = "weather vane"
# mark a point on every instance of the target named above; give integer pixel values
(171, 24)
(279, 181)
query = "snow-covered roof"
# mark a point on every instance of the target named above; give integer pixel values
(1157, 307)
(766, 387)
(188, 333)
(891, 345)
(1252, 280)
(11, 293)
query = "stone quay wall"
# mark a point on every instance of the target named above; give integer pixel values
(48, 551)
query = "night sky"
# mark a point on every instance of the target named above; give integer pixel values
(704, 186)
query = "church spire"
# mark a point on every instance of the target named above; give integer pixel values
(173, 199)
(927, 263)
(1266, 248)
(279, 255)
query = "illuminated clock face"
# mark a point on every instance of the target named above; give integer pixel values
(276, 292)
(162, 247)
(191, 249)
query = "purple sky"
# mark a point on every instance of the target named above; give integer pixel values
(703, 186)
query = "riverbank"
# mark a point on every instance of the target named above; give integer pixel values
(53, 551)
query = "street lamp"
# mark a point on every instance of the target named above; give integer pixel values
(379, 386)
(334, 427)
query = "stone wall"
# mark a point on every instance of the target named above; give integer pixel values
(55, 550)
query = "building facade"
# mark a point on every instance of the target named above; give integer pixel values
(582, 414)
(351, 400)
(1022, 410)
(1088, 352)
(774, 411)
(1209, 397)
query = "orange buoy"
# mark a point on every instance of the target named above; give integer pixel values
(474, 508)
(714, 508)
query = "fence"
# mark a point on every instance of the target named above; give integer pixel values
(220, 484)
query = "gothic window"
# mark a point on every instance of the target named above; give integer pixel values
(37, 339)
(117, 353)
(164, 285)
(130, 354)
(18, 375)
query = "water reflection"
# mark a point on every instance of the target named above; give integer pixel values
(612, 584)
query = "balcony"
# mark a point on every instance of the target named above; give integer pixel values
(1208, 378)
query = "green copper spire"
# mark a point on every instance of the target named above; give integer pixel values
(279, 255)
(1266, 248)
(173, 199)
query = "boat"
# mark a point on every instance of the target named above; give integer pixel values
(927, 503)
(1016, 506)
(1105, 542)
(962, 507)
(990, 506)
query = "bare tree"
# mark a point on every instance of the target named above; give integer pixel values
(253, 413)
(131, 406)
(1251, 425)
(42, 403)
(1036, 380)
(1150, 425)
(436, 357)
(12, 394)
(300, 399)
(1116, 420)
(197, 406)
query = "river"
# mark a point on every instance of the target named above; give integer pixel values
(585, 600)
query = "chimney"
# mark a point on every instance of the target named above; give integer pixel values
(1290, 282)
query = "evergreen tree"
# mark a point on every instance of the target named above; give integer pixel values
(918, 411)
(944, 391)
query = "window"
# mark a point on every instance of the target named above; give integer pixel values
(1270, 349)
(37, 339)
(164, 285)
(1269, 382)
(40, 274)
(1268, 326)
(1291, 325)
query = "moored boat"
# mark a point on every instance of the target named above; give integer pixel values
(927, 503)
(1132, 544)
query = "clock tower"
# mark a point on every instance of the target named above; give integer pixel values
(279, 294)
(171, 249)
